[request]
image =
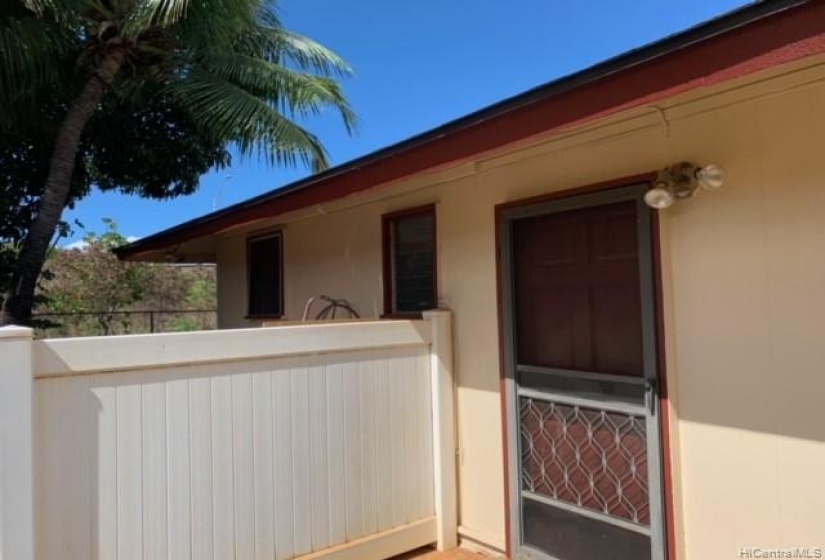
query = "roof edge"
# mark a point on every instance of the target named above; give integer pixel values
(720, 25)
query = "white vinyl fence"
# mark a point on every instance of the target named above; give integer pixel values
(320, 441)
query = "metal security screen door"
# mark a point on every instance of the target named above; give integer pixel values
(584, 457)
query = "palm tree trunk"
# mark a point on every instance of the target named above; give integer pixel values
(18, 301)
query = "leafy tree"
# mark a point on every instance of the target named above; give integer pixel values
(77, 77)
(166, 156)
(92, 279)
(87, 290)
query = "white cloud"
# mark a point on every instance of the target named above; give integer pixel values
(81, 244)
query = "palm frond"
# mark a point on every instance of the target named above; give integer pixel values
(217, 23)
(65, 12)
(234, 115)
(311, 54)
(42, 6)
(230, 64)
(147, 14)
(281, 46)
(31, 54)
(292, 91)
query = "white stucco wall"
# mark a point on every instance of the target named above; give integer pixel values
(744, 291)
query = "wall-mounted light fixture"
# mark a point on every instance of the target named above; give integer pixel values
(681, 181)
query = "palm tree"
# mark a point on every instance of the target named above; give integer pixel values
(229, 64)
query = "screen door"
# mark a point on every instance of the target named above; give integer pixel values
(584, 442)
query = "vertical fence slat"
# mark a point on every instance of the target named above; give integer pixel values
(242, 463)
(352, 442)
(264, 481)
(155, 507)
(369, 494)
(200, 440)
(398, 444)
(319, 460)
(336, 449)
(130, 479)
(301, 486)
(223, 483)
(425, 419)
(84, 449)
(44, 518)
(105, 520)
(178, 473)
(412, 402)
(282, 428)
(383, 480)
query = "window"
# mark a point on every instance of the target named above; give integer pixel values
(265, 269)
(409, 261)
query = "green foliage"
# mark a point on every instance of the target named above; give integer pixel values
(192, 80)
(185, 324)
(227, 65)
(201, 293)
(87, 291)
(154, 151)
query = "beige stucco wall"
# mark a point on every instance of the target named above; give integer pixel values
(744, 283)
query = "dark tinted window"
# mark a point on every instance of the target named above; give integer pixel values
(265, 259)
(412, 261)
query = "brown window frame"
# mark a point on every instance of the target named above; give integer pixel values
(249, 241)
(387, 221)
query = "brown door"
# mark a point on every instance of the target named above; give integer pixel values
(581, 374)
(577, 290)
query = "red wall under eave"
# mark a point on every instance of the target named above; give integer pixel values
(779, 39)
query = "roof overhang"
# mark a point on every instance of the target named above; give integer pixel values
(757, 37)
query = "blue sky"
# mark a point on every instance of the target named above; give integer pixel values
(418, 64)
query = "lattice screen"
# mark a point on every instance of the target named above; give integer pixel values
(586, 457)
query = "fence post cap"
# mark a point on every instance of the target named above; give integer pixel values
(15, 331)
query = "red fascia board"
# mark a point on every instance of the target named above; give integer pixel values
(766, 43)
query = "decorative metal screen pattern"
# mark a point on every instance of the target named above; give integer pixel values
(586, 457)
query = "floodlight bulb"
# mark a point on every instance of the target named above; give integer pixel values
(711, 176)
(659, 198)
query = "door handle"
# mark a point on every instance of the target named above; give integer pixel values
(651, 394)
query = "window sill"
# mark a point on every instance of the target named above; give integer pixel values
(267, 317)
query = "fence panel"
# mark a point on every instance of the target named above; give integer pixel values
(258, 458)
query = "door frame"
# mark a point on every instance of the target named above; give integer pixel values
(629, 188)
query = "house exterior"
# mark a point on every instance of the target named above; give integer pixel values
(631, 382)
